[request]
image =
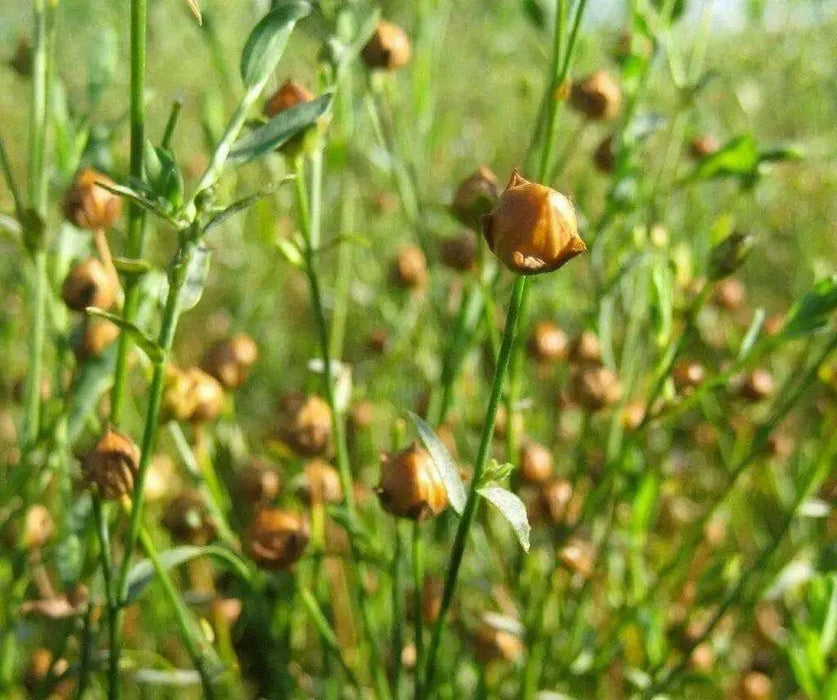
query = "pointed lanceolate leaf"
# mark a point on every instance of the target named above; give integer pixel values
(196, 276)
(282, 128)
(812, 312)
(444, 463)
(268, 39)
(739, 157)
(143, 342)
(512, 509)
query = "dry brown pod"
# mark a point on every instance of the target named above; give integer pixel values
(556, 499)
(633, 414)
(597, 96)
(230, 360)
(586, 349)
(89, 283)
(191, 395)
(409, 268)
(595, 388)
(702, 658)
(577, 555)
(703, 145)
(37, 528)
(459, 252)
(603, 157)
(289, 94)
(410, 485)
(320, 483)
(476, 198)
(388, 48)
(688, 375)
(188, 520)
(111, 466)
(533, 229)
(96, 335)
(535, 463)
(755, 686)
(498, 639)
(361, 415)
(729, 294)
(305, 424)
(757, 385)
(547, 342)
(90, 206)
(258, 483)
(276, 538)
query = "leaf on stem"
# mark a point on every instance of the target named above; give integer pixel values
(196, 276)
(512, 509)
(146, 344)
(447, 468)
(812, 311)
(268, 39)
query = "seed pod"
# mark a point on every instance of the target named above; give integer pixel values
(756, 686)
(276, 538)
(388, 48)
(497, 639)
(187, 519)
(459, 252)
(597, 97)
(577, 556)
(21, 61)
(305, 424)
(361, 415)
(534, 229)
(604, 158)
(431, 599)
(729, 294)
(688, 375)
(535, 463)
(378, 339)
(758, 385)
(37, 527)
(702, 658)
(586, 349)
(97, 334)
(556, 499)
(40, 665)
(90, 206)
(230, 361)
(111, 466)
(409, 269)
(595, 388)
(257, 483)
(547, 343)
(290, 94)
(89, 283)
(703, 145)
(410, 485)
(475, 198)
(633, 414)
(191, 396)
(321, 483)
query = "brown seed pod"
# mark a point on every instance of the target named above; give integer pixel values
(191, 396)
(556, 500)
(688, 375)
(276, 538)
(547, 343)
(533, 229)
(361, 415)
(459, 252)
(111, 466)
(497, 639)
(305, 424)
(38, 527)
(535, 463)
(586, 349)
(703, 145)
(290, 94)
(431, 599)
(702, 658)
(597, 97)
(409, 269)
(89, 283)
(187, 519)
(320, 484)
(577, 555)
(476, 197)
(40, 665)
(377, 340)
(729, 294)
(755, 686)
(230, 361)
(603, 157)
(595, 388)
(90, 206)
(97, 334)
(758, 385)
(388, 48)
(258, 482)
(633, 414)
(410, 485)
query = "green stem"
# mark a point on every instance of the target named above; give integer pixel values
(472, 501)
(397, 611)
(418, 606)
(111, 602)
(11, 183)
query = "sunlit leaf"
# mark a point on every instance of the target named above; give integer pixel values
(448, 471)
(268, 40)
(512, 509)
(143, 342)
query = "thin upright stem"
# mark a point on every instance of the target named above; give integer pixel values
(418, 607)
(111, 603)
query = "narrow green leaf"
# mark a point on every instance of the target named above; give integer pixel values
(196, 277)
(512, 509)
(138, 198)
(239, 206)
(740, 156)
(131, 266)
(143, 342)
(828, 634)
(752, 334)
(812, 311)
(448, 470)
(268, 39)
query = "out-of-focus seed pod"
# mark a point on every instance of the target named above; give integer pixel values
(459, 252)
(21, 61)
(728, 255)
(305, 424)
(547, 343)
(361, 415)
(388, 48)
(40, 664)
(258, 483)
(577, 555)
(409, 269)
(595, 388)
(408, 656)
(111, 466)
(97, 334)
(774, 324)
(597, 97)
(768, 623)
(497, 639)
(780, 445)
(603, 157)
(410, 485)
(586, 349)
(276, 538)
(290, 94)
(227, 609)
(378, 339)
(702, 658)
(756, 686)
(188, 520)
(535, 463)
(191, 395)
(703, 145)
(729, 294)
(320, 484)
(230, 361)
(90, 206)
(629, 44)
(533, 229)
(89, 283)
(38, 527)
(633, 414)
(431, 599)
(160, 479)
(501, 425)
(688, 375)
(758, 385)
(475, 198)
(556, 497)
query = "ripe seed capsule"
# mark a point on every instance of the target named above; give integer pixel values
(604, 158)
(703, 145)
(191, 396)
(688, 375)
(229, 362)
(188, 520)
(290, 94)
(548, 343)
(495, 641)
(758, 385)
(276, 538)
(258, 483)
(597, 97)
(586, 349)
(409, 269)
(729, 294)
(89, 283)
(388, 48)
(410, 484)
(305, 424)
(321, 483)
(459, 252)
(533, 229)
(535, 463)
(90, 206)
(577, 556)
(111, 466)
(595, 388)
(476, 197)
(97, 334)
(37, 527)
